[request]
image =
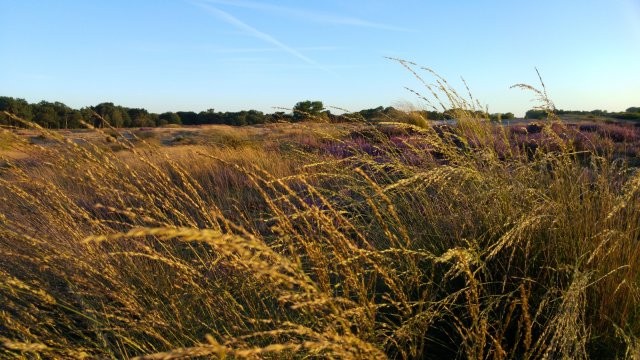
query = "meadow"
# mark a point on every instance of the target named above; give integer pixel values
(401, 239)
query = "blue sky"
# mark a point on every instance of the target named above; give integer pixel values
(171, 55)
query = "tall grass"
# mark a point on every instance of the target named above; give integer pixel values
(452, 241)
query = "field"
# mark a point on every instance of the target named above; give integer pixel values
(315, 240)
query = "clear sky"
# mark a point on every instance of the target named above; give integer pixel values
(171, 55)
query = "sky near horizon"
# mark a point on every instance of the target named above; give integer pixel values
(178, 55)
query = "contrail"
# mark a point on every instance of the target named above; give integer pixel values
(310, 16)
(230, 19)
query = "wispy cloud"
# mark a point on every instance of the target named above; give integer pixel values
(232, 20)
(242, 62)
(166, 47)
(315, 16)
(222, 50)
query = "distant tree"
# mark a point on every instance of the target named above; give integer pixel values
(105, 110)
(19, 107)
(236, 118)
(307, 109)
(280, 116)
(188, 117)
(210, 117)
(501, 116)
(154, 119)
(535, 114)
(140, 118)
(117, 118)
(255, 117)
(392, 113)
(73, 119)
(87, 115)
(634, 109)
(372, 114)
(169, 118)
(63, 113)
(45, 115)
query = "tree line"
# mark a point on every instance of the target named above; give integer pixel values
(392, 113)
(56, 115)
(632, 113)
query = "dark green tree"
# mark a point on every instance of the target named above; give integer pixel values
(255, 117)
(236, 118)
(140, 118)
(18, 107)
(210, 117)
(73, 119)
(535, 114)
(188, 117)
(169, 118)
(280, 116)
(373, 114)
(45, 115)
(112, 114)
(307, 109)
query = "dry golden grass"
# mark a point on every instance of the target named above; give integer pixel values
(452, 245)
